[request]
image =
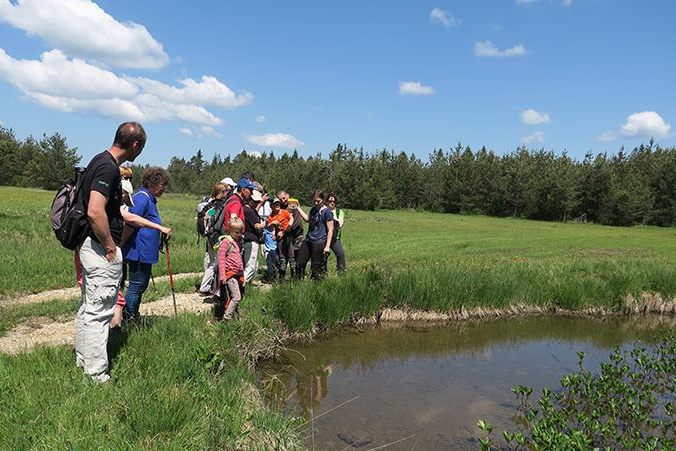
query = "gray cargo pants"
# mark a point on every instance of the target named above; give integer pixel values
(100, 282)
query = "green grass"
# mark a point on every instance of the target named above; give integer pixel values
(185, 384)
(398, 241)
(177, 384)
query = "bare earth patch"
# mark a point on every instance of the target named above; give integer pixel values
(43, 331)
(68, 293)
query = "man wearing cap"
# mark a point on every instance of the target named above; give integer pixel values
(234, 206)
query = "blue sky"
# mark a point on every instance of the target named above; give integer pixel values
(222, 76)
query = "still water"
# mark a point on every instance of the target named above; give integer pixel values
(425, 387)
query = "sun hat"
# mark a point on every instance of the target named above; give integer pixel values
(256, 195)
(229, 181)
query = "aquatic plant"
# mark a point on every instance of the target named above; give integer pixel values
(629, 404)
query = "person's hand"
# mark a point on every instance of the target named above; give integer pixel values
(244, 282)
(258, 226)
(166, 231)
(327, 250)
(271, 223)
(265, 197)
(280, 234)
(111, 252)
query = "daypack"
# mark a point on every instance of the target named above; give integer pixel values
(69, 212)
(202, 218)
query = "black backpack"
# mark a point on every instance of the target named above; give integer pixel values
(202, 218)
(69, 212)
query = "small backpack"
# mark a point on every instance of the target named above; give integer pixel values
(202, 218)
(69, 212)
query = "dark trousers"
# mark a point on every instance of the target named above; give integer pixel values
(272, 261)
(337, 249)
(284, 253)
(315, 253)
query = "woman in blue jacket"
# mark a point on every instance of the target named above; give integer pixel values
(142, 248)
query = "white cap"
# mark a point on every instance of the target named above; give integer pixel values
(229, 181)
(256, 195)
(128, 188)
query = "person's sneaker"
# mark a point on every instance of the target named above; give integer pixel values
(204, 293)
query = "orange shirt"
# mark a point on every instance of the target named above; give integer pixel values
(283, 216)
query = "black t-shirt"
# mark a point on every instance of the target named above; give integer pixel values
(103, 175)
(251, 217)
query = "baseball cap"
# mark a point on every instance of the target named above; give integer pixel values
(229, 181)
(245, 183)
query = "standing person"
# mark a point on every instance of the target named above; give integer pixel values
(230, 271)
(214, 213)
(142, 249)
(100, 254)
(270, 252)
(317, 243)
(338, 221)
(234, 205)
(253, 234)
(294, 234)
(281, 219)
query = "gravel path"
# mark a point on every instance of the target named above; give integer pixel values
(67, 293)
(43, 331)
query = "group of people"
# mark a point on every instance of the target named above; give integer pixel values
(244, 216)
(239, 220)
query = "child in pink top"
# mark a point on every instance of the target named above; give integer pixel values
(230, 270)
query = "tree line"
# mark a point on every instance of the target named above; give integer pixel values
(625, 188)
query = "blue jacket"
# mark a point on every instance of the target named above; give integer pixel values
(144, 244)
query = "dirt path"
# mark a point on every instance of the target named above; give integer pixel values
(67, 293)
(42, 331)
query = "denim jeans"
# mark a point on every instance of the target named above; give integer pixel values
(138, 278)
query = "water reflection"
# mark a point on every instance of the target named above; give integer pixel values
(428, 386)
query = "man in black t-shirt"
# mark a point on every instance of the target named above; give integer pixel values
(100, 254)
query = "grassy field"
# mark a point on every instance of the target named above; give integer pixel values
(186, 384)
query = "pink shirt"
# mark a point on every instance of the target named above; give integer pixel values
(229, 259)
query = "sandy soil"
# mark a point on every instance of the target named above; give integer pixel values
(67, 293)
(42, 331)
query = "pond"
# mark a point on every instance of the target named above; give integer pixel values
(421, 387)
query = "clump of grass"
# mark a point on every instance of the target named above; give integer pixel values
(175, 385)
(629, 405)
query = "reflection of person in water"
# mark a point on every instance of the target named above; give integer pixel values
(312, 388)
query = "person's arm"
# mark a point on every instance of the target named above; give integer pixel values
(329, 236)
(96, 212)
(303, 214)
(139, 221)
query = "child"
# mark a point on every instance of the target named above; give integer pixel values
(294, 233)
(281, 218)
(230, 271)
(270, 249)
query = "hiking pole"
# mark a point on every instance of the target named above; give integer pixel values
(171, 276)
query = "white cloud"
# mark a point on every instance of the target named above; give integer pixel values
(254, 153)
(186, 131)
(444, 18)
(645, 124)
(81, 28)
(532, 117)
(567, 2)
(209, 131)
(282, 140)
(488, 49)
(536, 137)
(261, 119)
(209, 91)
(71, 85)
(414, 88)
(607, 136)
